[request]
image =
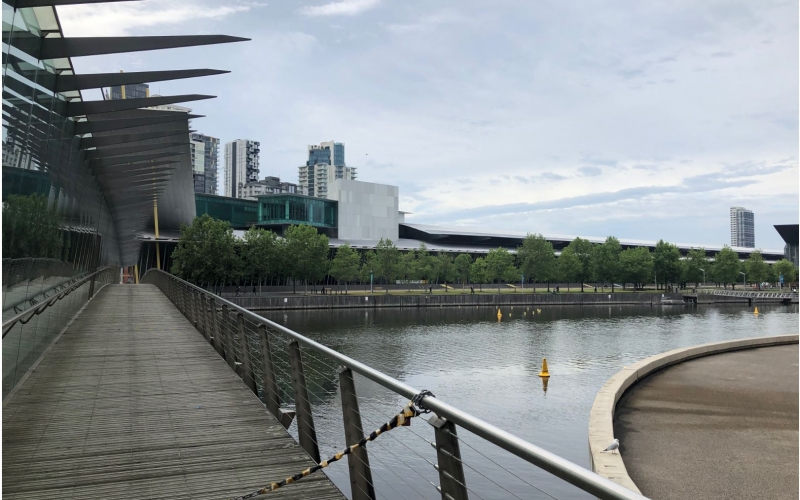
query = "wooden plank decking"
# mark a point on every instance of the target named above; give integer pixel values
(133, 403)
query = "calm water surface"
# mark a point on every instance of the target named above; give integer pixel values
(490, 368)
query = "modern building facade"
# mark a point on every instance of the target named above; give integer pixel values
(129, 91)
(205, 160)
(325, 164)
(269, 185)
(241, 166)
(366, 211)
(742, 228)
(790, 234)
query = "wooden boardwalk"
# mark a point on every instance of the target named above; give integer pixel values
(133, 403)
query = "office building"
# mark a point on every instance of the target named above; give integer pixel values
(241, 166)
(205, 160)
(129, 91)
(269, 185)
(366, 211)
(325, 164)
(742, 228)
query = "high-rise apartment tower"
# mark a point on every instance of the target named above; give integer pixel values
(205, 160)
(325, 164)
(742, 228)
(241, 166)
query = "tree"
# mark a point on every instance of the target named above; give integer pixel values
(667, 262)
(444, 269)
(582, 250)
(696, 262)
(499, 265)
(786, 269)
(206, 252)
(569, 266)
(368, 267)
(636, 266)
(461, 268)
(757, 269)
(605, 261)
(345, 265)
(259, 254)
(479, 271)
(424, 262)
(308, 250)
(387, 257)
(31, 228)
(726, 266)
(407, 269)
(537, 259)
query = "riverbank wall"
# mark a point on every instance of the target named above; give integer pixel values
(379, 300)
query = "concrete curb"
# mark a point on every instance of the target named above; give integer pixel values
(601, 418)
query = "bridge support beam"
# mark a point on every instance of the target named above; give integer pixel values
(305, 421)
(361, 484)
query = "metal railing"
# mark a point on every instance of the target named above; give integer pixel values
(32, 300)
(282, 366)
(27, 335)
(755, 295)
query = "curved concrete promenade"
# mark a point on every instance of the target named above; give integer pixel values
(601, 422)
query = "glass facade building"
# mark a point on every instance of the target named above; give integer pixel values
(241, 214)
(288, 209)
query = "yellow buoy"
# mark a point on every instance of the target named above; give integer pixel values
(544, 384)
(499, 315)
(756, 311)
(544, 372)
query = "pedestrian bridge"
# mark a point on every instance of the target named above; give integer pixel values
(163, 390)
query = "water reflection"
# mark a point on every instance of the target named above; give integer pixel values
(491, 369)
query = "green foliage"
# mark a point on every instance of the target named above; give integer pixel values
(500, 265)
(444, 268)
(407, 268)
(569, 266)
(582, 250)
(667, 262)
(696, 261)
(308, 253)
(605, 261)
(369, 265)
(387, 258)
(461, 267)
(479, 271)
(726, 266)
(537, 258)
(30, 228)
(425, 263)
(786, 269)
(206, 252)
(260, 254)
(345, 265)
(636, 265)
(757, 270)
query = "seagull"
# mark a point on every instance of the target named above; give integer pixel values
(613, 446)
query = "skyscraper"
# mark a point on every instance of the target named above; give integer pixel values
(130, 91)
(205, 160)
(241, 166)
(742, 228)
(325, 163)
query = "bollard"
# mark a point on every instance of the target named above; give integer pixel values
(305, 420)
(358, 461)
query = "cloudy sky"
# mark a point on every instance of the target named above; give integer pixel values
(643, 120)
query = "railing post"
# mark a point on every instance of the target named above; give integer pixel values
(193, 308)
(207, 331)
(451, 470)
(230, 355)
(216, 335)
(247, 367)
(305, 421)
(358, 461)
(272, 398)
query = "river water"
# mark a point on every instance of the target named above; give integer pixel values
(490, 369)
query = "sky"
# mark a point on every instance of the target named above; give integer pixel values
(641, 120)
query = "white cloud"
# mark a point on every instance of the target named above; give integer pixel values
(121, 19)
(343, 8)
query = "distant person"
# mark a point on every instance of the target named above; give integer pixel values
(254, 289)
(430, 290)
(472, 289)
(558, 288)
(238, 291)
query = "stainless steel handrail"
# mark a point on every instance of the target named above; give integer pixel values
(560, 467)
(36, 309)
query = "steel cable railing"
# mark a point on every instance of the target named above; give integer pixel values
(27, 335)
(295, 376)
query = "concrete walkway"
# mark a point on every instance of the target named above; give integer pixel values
(132, 403)
(719, 427)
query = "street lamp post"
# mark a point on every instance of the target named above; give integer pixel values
(371, 275)
(704, 276)
(744, 280)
